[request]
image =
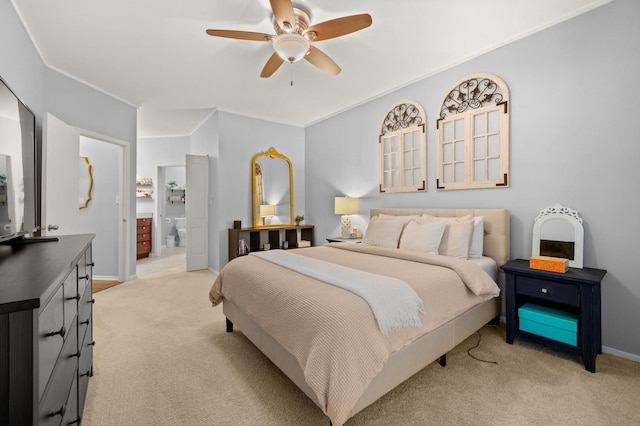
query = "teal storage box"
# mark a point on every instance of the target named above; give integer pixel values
(549, 322)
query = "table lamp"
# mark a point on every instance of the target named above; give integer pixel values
(266, 212)
(346, 206)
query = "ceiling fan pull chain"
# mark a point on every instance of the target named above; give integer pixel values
(291, 73)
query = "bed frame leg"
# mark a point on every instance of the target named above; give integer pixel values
(495, 320)
(443, 360)
(229, 326)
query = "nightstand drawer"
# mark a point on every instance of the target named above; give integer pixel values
(548, 290)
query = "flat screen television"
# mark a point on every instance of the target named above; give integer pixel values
(18, 168)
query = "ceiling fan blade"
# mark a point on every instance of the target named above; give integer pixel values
(272, 65)
(339, 26)
(318, 58)
(241, 35)
(283, 12)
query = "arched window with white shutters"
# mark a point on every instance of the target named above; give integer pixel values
(403, 148)
(473, 134)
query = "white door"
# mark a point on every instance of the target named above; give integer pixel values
(197, 208)
(60, 166)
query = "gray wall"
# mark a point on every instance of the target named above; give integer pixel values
(574, 106)
(44, 90)
(240, 139)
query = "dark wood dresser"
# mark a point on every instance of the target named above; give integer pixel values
(143, 238)
(46, 333)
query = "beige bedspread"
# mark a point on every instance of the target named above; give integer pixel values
(331, 332)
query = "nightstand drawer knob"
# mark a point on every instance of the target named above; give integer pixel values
(545, 291)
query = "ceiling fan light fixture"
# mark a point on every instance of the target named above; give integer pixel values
(291, 47)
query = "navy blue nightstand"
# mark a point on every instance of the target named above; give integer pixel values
(576, 291)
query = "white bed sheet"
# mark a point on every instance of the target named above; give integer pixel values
(488, 265)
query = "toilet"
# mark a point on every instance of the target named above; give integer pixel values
(181, 227)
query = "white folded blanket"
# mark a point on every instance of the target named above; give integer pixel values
(394, 303)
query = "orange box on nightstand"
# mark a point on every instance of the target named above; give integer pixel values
(548, 263)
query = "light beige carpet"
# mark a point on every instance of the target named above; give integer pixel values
(162, 357)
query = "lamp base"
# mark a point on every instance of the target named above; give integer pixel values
(345, 222)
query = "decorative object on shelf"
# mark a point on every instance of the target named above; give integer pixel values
(548, 263)
(237, 224)
(267, 211)
(346, 206)
(558, 232)
(144, 182)
(243, 248)
(299, 219)
(172, 184)
(144, 193)
(85, 183)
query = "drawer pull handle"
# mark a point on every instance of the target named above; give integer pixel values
(77, 354)
(545, 291)
(86, 374)
(76, 421)
(60, 332)
(92, 301)
(92, 343)
(74, 297)
(60, 412)
(86, 277)
(92, 264)
(85, 322)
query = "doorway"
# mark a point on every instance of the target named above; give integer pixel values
(101, 215)
(61, 192)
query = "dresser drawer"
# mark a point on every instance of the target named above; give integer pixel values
(143, 230)
(52, 337)
(85, 369)
(143, 247)
(54, 402)
(85, 271)
(144, 221)
(143, 237)
(70, 299)
(548, 290)
(84, 316)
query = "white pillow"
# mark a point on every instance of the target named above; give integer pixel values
(383, 232)
(423, 237)
(456, 239)
(477, 238)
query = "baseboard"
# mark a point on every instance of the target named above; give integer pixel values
(621, 354)
(105, 278)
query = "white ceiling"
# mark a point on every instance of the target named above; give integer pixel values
(155, 54)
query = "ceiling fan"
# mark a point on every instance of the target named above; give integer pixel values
(294, 37)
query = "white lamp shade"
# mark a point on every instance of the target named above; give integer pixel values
(267, 210)
(346, 205)
(291, 47)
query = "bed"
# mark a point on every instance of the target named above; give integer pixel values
(263, 299)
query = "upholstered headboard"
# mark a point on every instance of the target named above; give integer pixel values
(496, 226)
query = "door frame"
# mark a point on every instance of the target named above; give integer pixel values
(125, 188)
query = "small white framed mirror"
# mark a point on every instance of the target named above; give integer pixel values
(558, 232)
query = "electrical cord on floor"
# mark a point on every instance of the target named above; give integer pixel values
(475, 347)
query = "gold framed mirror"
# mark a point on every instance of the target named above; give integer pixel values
(85, 178)
(272, 189)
